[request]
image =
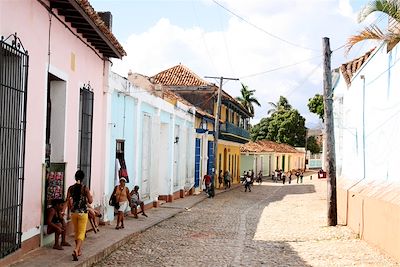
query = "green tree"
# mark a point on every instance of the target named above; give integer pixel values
(283, 126)
(282, 104)
(247, 99)
(390, 35)
(316, 105)
(312, 145)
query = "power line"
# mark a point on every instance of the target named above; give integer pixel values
(279, 68)
(264, 31)
(304, 80)
(202, 37)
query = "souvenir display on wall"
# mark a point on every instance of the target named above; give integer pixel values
(55, 186)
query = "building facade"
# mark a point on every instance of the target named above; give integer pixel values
(53, 73)
(161, 156)
(267, 156)
(234, 120)
(366, 115)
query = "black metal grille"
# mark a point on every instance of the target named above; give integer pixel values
(85, 132)
(13, 91)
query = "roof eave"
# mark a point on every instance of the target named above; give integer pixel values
(85, 26)
(94, 26)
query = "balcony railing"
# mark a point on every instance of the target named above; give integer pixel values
(233, 129)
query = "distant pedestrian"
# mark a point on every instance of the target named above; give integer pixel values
(259, 178)
(211, 191)
(297, 175)
(227, 179)
(247, 184)
(280, 174)
(78, 196)
(283, 177)
(290, 176)
(207, 181)
(220, 179)
(301, 177)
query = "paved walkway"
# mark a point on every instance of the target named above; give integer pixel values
(274, 225)
(97, 246)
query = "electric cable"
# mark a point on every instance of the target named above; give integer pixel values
(261, 29)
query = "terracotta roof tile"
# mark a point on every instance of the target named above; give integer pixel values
(87, 7)
(350, 68)
(179, 76)
(267, 146)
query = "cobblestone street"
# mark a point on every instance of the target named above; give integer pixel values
(273, 225)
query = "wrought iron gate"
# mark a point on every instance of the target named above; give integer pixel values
(86, 132)
(13, 90)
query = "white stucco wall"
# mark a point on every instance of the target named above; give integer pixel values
(367, 115)
(164, 119)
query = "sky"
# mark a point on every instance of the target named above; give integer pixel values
(273, 47)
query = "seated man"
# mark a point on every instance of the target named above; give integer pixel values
(56, 223)
(136, 201)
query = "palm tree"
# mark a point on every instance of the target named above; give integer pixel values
(247, 99)
(282, 104)
(391, 35)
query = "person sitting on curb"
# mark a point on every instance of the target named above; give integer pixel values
(136, 201)
(56, 223)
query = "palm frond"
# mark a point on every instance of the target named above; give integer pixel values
(369, 33)
(389, 7)
(255, 101)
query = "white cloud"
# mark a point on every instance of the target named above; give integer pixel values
(241, 49)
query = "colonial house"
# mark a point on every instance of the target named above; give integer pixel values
(54, 64)
(315, 160)
(267, 156)
(366, 116)
(234, 120)
(152, 130)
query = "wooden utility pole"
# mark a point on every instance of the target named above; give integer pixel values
(305, 154)
(217, 118)
(329, 144)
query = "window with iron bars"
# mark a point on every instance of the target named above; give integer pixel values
(85, 132)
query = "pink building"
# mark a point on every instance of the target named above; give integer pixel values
(54, 67)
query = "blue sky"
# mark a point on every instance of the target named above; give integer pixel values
(255, 44)
(136, 16)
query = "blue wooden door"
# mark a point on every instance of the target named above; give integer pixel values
(210, 161)
(197, 163)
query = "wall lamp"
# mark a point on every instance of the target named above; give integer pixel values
(176, 140)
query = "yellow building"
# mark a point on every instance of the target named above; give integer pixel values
(234, 121)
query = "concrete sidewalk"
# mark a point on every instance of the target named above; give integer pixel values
(108, 239)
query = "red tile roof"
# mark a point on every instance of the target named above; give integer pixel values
(89, 24)
(101, 25)
(267, 146)
(350, 68)
(179, 76)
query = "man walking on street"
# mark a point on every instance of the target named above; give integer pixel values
(247, 183)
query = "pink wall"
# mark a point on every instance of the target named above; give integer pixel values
(31, 22)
